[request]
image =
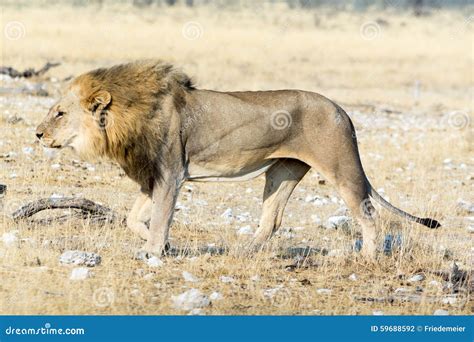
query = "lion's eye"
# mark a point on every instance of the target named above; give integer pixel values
(59, 114)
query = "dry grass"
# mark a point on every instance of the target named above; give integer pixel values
(325, 52)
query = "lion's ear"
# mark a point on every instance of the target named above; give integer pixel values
(99, 100)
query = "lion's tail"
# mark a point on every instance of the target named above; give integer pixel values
(431, 223)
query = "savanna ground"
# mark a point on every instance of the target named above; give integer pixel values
(405, 81)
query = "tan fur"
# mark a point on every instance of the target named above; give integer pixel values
(149, 118)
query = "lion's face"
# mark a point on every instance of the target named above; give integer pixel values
(71, 122)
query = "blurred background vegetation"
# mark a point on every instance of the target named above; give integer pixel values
(419, 7)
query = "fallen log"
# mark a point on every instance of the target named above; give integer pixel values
(28, 72)
(88, 210)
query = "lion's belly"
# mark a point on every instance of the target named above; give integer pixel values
(220, 173)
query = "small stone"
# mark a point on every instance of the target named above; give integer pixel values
(246, 230)
(255, 278)
(450, 299)
(189, 277)
(353, 277)
(416, 277)
(465, 206)
(324, 291)
(27, 150)
(227, 214)
(189, 300)
(215, 296)
(80, 273)
(225, 279)
(378, 313)
(80, 258)
(49, 153)
(9, 239)
(55, 166)
(401, 290)
(196, 312)
(149, 276)
(270, 293)
(441, 312)
(154, 262)
(338, 222)
(315, 219)
(135, 292)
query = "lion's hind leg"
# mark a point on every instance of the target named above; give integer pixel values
(280, 181)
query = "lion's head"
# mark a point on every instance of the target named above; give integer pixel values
(104, 112)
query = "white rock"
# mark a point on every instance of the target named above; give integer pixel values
(189, 300)
(353, 277)
(270, 293)
(149, 276)
(450, 299)
(135, 292)
(50, 153)
(324, 291)
(27, 150)
(215, 296)
(255, 278)
(315, 219)
(465, 205)
(189, 277)
(338, 222)
(245, 230)
(244, 217)
(378, 313)
(416, 277)
(228, 214)
(55, 166)
(10, 238)
(401, 290)
(154, 262)
(80, 258)
(470, 229)
(80, 273)
(441, 312)
(196, 312)
(225, 279)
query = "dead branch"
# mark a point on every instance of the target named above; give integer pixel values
(28, 72)
(88, 210)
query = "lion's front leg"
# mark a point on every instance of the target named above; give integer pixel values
(139, 215)
(165, 193)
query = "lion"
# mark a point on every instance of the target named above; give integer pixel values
(148, 117)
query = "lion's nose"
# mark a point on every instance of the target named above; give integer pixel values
(39, 135)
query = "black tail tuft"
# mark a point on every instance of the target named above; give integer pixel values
(430, 223)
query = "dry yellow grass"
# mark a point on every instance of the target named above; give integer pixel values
(404, 152)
